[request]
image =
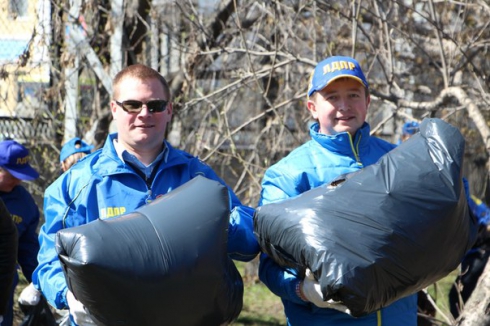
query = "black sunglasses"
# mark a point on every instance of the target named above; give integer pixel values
(133, 106)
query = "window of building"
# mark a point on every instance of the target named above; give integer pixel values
(18, 8)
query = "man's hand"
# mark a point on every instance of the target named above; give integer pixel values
(30, 296)
(77, 311)
(311, 290)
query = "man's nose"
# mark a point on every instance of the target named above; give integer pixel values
(342, 105)
(144, 110)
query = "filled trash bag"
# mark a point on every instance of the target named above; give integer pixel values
(165, 263)
(38, 315)
(383, 233)
(8, 255)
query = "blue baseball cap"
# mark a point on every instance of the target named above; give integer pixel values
(410, 128)
(334, 68)
(15, 159)
(74, 145)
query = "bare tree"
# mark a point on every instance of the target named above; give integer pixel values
(239, 72)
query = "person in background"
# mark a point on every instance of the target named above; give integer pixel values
(15, 168)
(338, 98)
(135, 166)
(475, 260)
(409, 129)
(8, 257)
(72, 151)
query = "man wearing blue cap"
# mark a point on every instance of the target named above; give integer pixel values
(72, 151)
(338, 98)
(409, 129)
(15, 168)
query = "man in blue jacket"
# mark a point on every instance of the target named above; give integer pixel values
(15, 168)
(135, 166)
(409, 129)
(338, 98)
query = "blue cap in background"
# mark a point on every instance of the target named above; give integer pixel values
(15, 159)
(74, 145)
(410, 128)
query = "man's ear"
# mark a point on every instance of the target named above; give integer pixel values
(311, 106)
(113, 106)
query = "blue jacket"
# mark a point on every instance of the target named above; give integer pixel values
(313, 164)
(480, 210)
(477, 206)
(102, 186)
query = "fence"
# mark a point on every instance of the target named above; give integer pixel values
(25, 130)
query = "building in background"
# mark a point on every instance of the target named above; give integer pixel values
(24, 67)
(24, 58)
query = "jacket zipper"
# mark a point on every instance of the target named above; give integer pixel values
(355, 149)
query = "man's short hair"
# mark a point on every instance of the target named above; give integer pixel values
(140, 72)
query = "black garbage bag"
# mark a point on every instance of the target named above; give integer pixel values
(38, 315)
(386, 231)
(8, 255)
(166, 263)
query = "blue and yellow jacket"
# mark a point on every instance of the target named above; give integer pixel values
(313, 164)
(477, 206)
(102, 186)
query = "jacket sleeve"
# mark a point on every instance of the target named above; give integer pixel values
(8, 255)
(281, 281)
(242, 243)
(278, 186)
(28, 243)
(48, 276)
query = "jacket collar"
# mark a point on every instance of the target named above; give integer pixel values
(173, 156)
(341, 142)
